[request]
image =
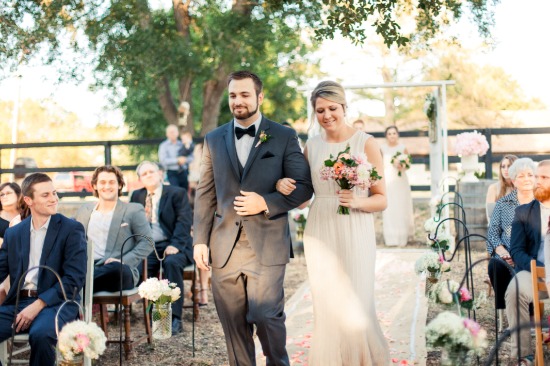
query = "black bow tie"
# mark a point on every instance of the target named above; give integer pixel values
(239, 132)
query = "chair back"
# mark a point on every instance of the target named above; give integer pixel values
(538, 277)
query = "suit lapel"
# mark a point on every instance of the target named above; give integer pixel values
(264, 126)
(536, 233)
(231, 149)
(49, 241)
(25, 245)
(114, 229)
(162, 202)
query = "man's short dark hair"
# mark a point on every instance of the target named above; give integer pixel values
(244, 74)
(108, 169)
(27, 186)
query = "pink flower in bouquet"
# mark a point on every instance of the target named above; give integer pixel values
(82, 342)
(472, 326)
(471, 143)
(465, 295)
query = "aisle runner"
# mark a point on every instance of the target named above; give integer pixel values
(401, 309)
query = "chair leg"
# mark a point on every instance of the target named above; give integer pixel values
(127, 332)
(104, 319)
(195, 297)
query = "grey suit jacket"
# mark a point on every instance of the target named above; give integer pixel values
(215, 221)
(128, 219)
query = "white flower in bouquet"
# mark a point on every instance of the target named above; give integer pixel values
(455, 334)
(428, 262)
(159, 291)
(78, 338)
(430, 225)
(442, 241)
(440, 293)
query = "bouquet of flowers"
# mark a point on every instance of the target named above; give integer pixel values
(80, 338)
(431, 262)
(448, 292)
(442, 241)
(159, 291)
(349, 171)
(401, 162)
(457, 336)
(471, 143)
(300, 218)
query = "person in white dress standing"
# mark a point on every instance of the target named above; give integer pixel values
(398, 220)
(340, 249)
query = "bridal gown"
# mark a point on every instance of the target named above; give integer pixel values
(340, 251)
(397, 218)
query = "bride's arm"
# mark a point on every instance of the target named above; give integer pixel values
(377, 198)
(286, 185)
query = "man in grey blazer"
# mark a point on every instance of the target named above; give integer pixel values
(108, 223)
(241, 221)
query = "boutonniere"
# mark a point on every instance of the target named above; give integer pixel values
(264, 137)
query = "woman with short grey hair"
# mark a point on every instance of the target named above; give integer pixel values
(522, 174)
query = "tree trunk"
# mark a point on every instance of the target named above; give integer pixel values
(389, 101)
(167, 102)
(212, 95)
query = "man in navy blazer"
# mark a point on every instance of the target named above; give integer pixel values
(170, 217)
(529, 228)
(45, 238)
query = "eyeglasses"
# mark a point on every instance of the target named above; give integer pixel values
(2, 195)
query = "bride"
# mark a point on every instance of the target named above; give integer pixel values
(340, 250)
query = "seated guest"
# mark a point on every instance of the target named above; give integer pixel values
(528, 230)
(501, 188)
(522, 174)
(44, 238)
(108, 223)
(168, 210)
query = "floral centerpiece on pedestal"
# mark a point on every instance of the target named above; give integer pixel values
(349, 171)
(458, 337)
(300, 218)
(161, 294)
(470, 145)
(78, 339)
(401, 162)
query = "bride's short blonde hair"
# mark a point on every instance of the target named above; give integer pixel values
(329, 90)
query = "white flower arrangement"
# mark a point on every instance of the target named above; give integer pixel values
(440, 293)
(471, 143)
(78, 337)
(159, 291)
(456, 334)
(430, 225)
(432, 262)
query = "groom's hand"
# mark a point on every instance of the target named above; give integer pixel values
(200, 255)
(250, 203)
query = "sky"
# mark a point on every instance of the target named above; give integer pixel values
(520, 31)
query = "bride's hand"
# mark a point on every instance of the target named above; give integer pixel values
(348, 199)
(285, 186)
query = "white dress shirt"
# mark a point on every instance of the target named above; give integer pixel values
(158, 234)
(544, 214)
(98, 231)
(244, 144)
(35, 253)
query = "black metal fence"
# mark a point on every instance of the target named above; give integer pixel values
(490, 158)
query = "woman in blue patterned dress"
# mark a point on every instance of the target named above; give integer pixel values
(522, 174)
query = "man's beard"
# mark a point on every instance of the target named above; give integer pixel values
(246, 114)
(542, 194)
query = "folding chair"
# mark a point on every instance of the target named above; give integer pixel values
(539, 277)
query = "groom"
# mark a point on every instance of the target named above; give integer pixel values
(243, 221)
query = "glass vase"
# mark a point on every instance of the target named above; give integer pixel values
(452, 358)
(431, 279)
(162, 321)
(77, 360)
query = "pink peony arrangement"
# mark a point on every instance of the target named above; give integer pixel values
(471, 143)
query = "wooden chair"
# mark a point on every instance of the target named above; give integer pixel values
(190, 274)
(129, 297)
(538, 277)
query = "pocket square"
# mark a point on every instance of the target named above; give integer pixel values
(124, 224)
(267, 155)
